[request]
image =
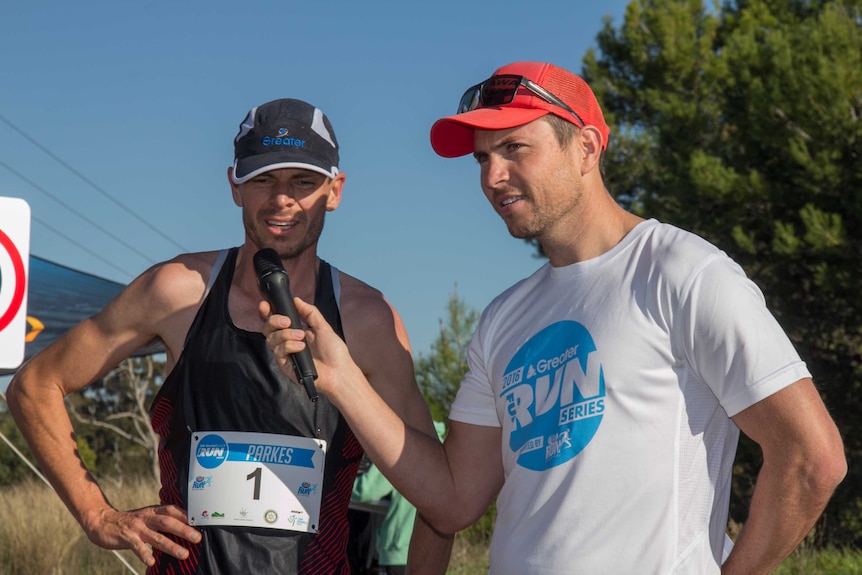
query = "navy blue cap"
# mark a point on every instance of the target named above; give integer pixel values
(284, 133)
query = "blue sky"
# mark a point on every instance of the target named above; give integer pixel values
(143, 99)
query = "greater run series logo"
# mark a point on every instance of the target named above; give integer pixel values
(554, 390)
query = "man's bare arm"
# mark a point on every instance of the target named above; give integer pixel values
(430, 550)
(803, 463)
(452, 484)
(87, 352)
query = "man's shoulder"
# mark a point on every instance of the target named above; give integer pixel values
(357, 293)
(669, 238)
(674, 260)
(367, 316)
(675, 250)
(184, 267)
(180, 279)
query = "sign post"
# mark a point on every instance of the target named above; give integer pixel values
(14, 270)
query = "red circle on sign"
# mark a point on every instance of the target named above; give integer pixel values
(18, 294)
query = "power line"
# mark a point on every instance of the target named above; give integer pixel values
(74, 211)
(83, 247)
(91, 183)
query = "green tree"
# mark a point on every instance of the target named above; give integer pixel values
(743, 123)
(439, 374)
(12, 467)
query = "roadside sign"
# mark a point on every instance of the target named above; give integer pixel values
(14, 264)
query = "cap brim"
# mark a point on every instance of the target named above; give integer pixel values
(247, 168)
(453, 136)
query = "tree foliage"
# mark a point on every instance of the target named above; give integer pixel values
(439, 374)
(743, 123)
(12, 467)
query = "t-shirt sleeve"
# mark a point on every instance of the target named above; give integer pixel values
(730, 339)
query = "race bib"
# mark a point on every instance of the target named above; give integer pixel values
(255, 480)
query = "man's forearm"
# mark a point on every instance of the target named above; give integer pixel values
(430, 550)
(803, 463)
(41, 416)
(784, 508)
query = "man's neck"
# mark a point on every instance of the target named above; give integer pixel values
(598, 229)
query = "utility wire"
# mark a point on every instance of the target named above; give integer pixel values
(83, 247)
(90, 182)
(76, 212)
(72, 241)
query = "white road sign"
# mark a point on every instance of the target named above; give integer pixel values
(14, 269)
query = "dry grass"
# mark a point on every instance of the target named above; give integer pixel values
(38, 535)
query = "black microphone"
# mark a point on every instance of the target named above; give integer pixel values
(276, 285)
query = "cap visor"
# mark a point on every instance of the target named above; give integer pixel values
(453, 136)
(250, 167)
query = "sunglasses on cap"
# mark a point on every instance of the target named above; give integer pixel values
(501, 90)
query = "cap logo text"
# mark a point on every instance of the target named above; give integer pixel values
(281, 139)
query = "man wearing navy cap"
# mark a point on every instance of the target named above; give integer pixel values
(255, 476)
(606, 392)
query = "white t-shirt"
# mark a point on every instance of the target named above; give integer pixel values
(612, 380)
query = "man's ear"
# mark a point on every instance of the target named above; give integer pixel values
(234, 188)
(591, 148)
(333, 197)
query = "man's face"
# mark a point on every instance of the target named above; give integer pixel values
(284, 209)
(534, 185)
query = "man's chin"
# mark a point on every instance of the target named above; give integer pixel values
(521, 233)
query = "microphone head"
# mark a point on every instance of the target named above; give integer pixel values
(267, 261)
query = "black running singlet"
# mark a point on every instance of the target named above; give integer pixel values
(226, 379)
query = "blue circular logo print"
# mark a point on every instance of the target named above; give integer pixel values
(211, 451)
(554, 389)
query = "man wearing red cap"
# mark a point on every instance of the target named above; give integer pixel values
(605, 392)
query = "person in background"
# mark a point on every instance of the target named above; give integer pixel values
(605, 392)
(393, 535)
(224, 401)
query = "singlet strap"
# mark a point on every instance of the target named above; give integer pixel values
(336, 286)
(219, 262)
(327, 295)
(216, 271)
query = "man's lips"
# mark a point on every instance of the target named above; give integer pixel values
(281, 225)
(507, 203)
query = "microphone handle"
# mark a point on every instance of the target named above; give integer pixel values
(278, 289)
